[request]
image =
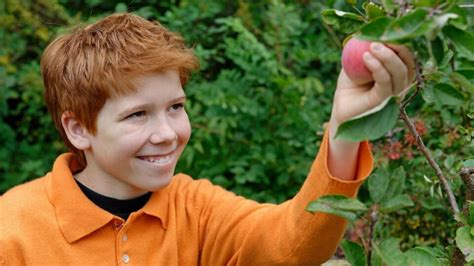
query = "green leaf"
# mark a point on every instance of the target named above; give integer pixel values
(465, 241)
(378, 185)
(437, 251)
(443, 19)
(390, 253)
(396, 184)
(461, 21)
(460, 217)
(447, 95)
(431, 203)
(373, 10)
(351, 2)
(468, 163)
(388, 5)
(467, 73)
(409, 26)
(372, 126)
(374, 30)
(397, 203)
(462, 80)
(354, 253)
(338, 205)
(343, 21)
(447, 58)
(419, 256)
(438, 50)
(427, 3)
(463, 40)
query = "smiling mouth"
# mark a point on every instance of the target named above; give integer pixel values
(157, 159)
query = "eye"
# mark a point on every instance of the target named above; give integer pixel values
(177, 107)
(137, 114)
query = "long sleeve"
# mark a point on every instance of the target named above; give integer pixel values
(237, 231)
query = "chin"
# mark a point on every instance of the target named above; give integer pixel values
(163, 182)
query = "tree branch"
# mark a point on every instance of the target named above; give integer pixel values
(421, 145)
(431, 161)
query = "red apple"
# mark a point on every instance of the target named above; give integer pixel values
(353, 63)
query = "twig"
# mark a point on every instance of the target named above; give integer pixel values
(421, 144)
(420, 83)
(431, 161)
(466, 176)
(333, 35)
(373, 221)
(361, 237)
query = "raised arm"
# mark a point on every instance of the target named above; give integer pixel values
(237, 231)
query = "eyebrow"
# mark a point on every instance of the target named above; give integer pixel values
(139, 107)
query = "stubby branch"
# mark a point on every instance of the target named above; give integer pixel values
(466, 176)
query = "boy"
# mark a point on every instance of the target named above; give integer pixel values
(114, 90)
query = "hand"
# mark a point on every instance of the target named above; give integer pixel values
(393, 70)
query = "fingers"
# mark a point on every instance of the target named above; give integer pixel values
(383, 80)
(407, 57)
(393, 64)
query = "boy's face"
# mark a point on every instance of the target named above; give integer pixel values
(139, 138)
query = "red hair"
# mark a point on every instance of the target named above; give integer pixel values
(85, 67)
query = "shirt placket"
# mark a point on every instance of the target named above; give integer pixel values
(121, 239)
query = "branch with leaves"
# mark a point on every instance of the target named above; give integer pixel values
(438, 34)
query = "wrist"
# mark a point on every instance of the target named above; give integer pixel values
(341, 152)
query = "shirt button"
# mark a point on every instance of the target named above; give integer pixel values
(125, 258)
(124, 237)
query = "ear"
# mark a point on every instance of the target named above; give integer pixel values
(76, 133)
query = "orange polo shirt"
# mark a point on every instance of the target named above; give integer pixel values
(190, 222)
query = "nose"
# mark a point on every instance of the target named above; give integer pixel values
(162, 132)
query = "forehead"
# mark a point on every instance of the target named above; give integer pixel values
(157, 87)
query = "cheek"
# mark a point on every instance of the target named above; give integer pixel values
(121, 142)
(183, 129)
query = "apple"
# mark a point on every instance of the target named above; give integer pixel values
(353, 63)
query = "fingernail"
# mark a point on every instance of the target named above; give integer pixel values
(367, 56)
(377, 46)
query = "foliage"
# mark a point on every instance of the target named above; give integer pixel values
(30, 142)
(259, 103)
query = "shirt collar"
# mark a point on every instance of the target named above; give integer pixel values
(158, 205)
(76, 215)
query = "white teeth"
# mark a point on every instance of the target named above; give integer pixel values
(158, 160)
